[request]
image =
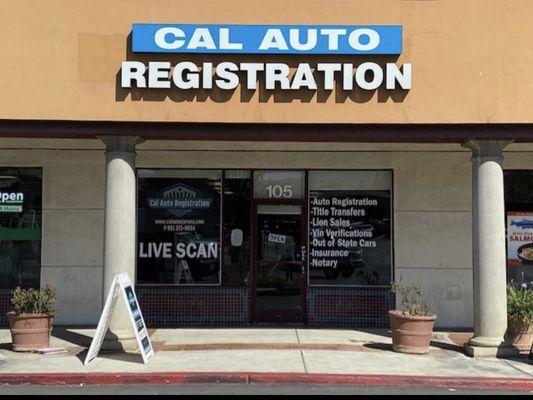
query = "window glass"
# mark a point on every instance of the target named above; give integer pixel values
(279, 184)
(20, 227)
(519, 223)
(179, 227)
(350, 228)
(237, 241)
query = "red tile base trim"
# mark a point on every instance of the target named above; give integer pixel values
(266, 378)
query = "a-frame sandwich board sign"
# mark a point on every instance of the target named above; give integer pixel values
(121, 287)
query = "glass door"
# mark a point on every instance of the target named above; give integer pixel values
(279, 264)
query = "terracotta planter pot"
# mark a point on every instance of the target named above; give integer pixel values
(520, 334)
(30, 332)
(411, 334)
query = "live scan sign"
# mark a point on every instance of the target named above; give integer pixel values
(121, 285)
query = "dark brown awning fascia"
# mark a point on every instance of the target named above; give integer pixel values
(393, 133)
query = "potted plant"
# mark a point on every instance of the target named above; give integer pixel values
(30, 322)
(520, 315)
(412, 325)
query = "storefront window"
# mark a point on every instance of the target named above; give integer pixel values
(279, 184)
(237, 241)
(179, 226)
(519, 223)
(20, 227)
(350, 228)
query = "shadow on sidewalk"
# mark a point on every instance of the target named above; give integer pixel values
(5, 346)
(132, 358)
(75, 338)
(440, 345)
(522, 358)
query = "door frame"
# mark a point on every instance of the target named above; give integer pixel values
(303, 202)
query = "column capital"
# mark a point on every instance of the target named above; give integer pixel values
(487, 148)
(120, 144)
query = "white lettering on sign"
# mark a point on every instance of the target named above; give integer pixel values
(182, 250)
(225, 43)
(333, 37)
(276, 238)
(355, 39)
(294, 39)
(162, 35)
(201, 39)
(173, 38)
(12, 197)
(187, 75)
(303, 78)
(273, 39)
(229, 79)
(158, 75)
(278, 191)
(266, 39)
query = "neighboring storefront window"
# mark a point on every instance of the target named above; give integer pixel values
(179, 226)
(519, 223)
(20, 227)
(236, 238)
(350, 228)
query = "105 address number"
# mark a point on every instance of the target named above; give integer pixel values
(280, 192)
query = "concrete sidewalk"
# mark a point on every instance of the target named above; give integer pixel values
(302, 353)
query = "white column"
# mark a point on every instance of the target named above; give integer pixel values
(119, 231)
(489, 258)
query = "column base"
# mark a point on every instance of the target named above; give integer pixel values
(490, 347)
(120, 341)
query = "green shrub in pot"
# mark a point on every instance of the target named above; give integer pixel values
(30, 322)
(520, 315)
(411, 298)
(411, 324)
(33, 301)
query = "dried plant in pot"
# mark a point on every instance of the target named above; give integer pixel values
(520, 315)
(31, 320)
(411, 325)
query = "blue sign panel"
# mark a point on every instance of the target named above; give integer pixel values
(267, 39)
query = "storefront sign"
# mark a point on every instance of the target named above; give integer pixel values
(179, 229)
(180, 200)
(11, 201)
(266, 39)
(519, 238)
(182, 250)
(348, 230)
(121, 285)
(277, 238)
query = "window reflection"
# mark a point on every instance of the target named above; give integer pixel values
(350, 228)
(237, 242)
(179, 227)
(20, 227)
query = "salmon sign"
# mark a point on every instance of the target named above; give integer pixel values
(519, 238)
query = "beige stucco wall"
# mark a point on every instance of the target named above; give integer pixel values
(73, 203)
(432, 210)
(471, 60)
